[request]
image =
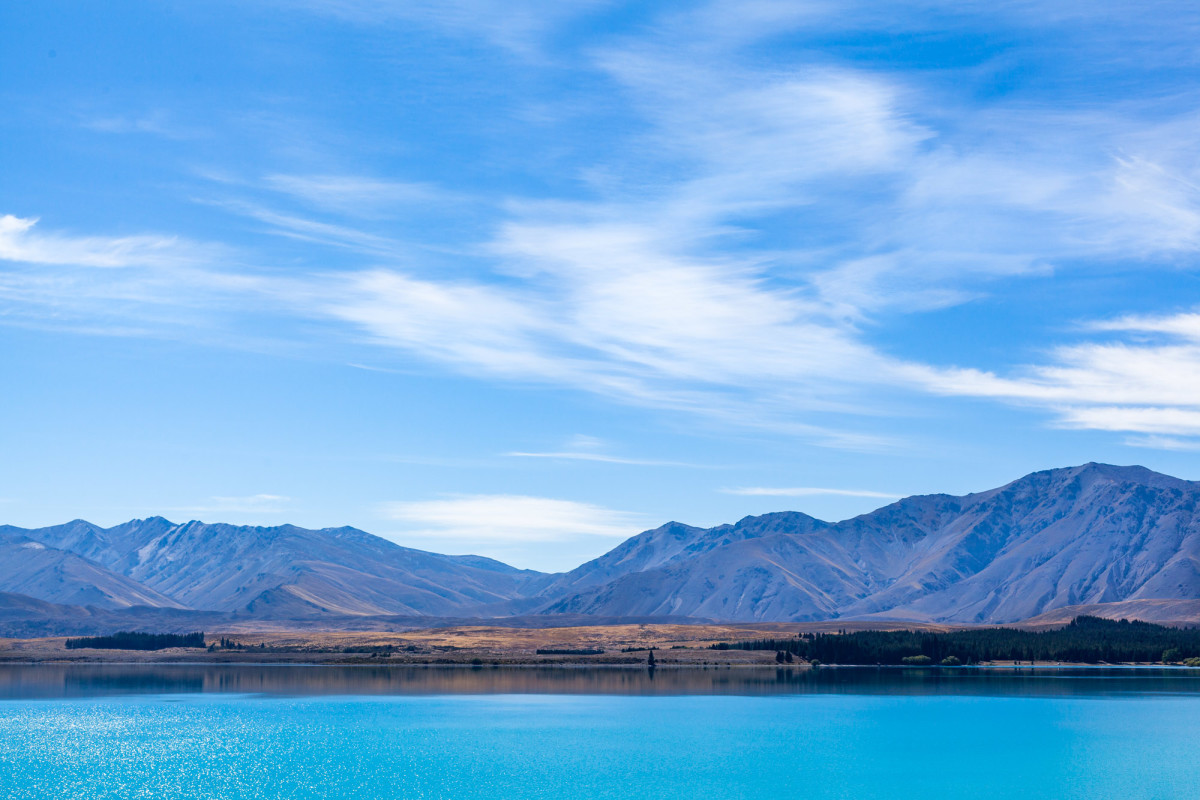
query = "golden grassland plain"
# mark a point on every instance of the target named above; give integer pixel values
(680, 645)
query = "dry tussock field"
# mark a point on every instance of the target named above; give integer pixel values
(621, 644)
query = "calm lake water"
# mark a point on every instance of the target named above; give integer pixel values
(330, 732)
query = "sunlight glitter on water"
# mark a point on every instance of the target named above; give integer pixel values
(602, 746)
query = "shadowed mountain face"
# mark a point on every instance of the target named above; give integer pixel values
(31, 568)
(1087, 535)
(674, 543)
(1095, 536)
(284, 572)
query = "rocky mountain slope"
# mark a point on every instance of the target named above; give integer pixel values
(1096, 536)
(28, 567)
(284, 571)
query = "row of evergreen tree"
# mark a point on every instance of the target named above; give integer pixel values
(136, 640)
(1086, 640)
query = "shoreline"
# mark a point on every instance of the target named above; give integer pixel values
(629, 646)
(662, 666)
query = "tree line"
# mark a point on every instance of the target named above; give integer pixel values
(1086, 640)
(135, 640)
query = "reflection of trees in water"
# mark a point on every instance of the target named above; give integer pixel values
(82, 680)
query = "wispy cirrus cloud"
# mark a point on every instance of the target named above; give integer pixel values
(806, 491)
(615, 296)
(19, 241)
(250, 504)
(655, 300)
(156, 122)
(510, 518)
(567, 455)
(1148, 383)
(139, 285)
(734, 257)
(520, 26)
(359, 195)
(594, 315)
(309, 229)
(1163, 443)
(582, 447)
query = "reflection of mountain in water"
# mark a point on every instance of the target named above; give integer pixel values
(68, 680)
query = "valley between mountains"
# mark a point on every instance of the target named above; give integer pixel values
(1097, 539)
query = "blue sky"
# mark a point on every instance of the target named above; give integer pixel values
(522, 278)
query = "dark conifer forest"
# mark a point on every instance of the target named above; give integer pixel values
(1085, 640)
(134, 640)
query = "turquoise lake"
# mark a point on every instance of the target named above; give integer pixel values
(327, 732)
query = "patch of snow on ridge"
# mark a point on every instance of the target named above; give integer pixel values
(145, 552)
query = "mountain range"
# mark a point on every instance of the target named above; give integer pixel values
(1105, 539)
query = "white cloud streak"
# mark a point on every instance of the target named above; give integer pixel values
(658, 290)
(567, 455)
(20, 242)
(510, 518)
(1163, 443)
(251, 504)
(806, 491)
(1145, 387)
(141, 286)
(357, 195)
(519, 26)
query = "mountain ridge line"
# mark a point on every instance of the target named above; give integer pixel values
(1094, 536)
